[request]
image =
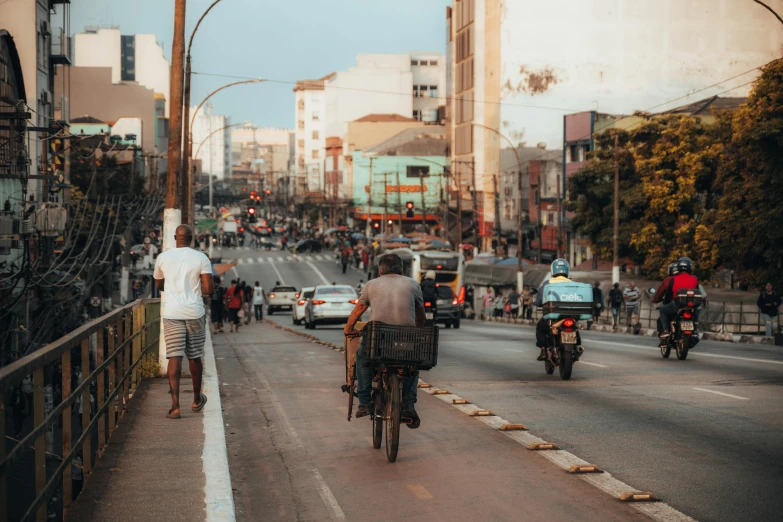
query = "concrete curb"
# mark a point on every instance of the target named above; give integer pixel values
(646, 332)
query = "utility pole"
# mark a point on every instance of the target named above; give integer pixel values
(476, 223)
(540, 228)
(559, 218)
(385, 201)
(616, 238)
(520, 273)
(172, 216)
(368, 228)
(399, 201)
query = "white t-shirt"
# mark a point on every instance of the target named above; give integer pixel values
(182, 269)
(258, 297)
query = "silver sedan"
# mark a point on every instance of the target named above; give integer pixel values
(330, 304)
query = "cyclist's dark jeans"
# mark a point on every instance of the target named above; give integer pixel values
(364, 375)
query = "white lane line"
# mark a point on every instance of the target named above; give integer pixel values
(318, 272)
(279, 277)
(724, 394)
(319, 257)
(234, 270)
(593, 364)
(290, 258)
(506, 349)
(218, 496)
(260, 259)
(697, 354)
(250, 260)
(280, 259)
(240, 261)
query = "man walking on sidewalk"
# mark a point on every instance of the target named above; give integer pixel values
(615, 301)
(768, 303)
(631, 298)
(186, 277)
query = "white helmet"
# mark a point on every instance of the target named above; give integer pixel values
(430, 274)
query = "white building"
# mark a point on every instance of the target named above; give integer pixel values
(271, 142)
(519, 67)
(133, 58)
(310, 132)
(215, 153)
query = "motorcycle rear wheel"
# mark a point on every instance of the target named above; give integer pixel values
(666, 350)
(567, 362)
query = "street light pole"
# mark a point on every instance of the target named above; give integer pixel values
(185, 173)
(172, 216)
(519, 210)
(616, 238)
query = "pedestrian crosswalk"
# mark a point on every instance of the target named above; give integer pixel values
(277, 259)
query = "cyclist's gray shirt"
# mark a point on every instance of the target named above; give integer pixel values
(393, 299)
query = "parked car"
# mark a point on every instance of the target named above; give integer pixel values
(330, 304)
(281, 298)
(306, 245)
(448, 307)
(299, 309)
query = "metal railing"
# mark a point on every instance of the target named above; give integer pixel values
(109, 351)
(719, 317)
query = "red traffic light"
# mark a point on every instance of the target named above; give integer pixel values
(409, 205)
(251, 210)
(258, 198)
(376, 225)
(241, 229)
(252, 192)
(268, 192)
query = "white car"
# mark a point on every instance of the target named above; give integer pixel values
(299, 309)
(330, 304)
(281, 298)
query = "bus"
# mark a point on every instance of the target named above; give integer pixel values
(449, 267)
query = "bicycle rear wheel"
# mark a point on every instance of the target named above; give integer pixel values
(377, 420)
(393, 398)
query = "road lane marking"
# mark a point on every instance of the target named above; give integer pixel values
(234, 270)
(419, 491)
(506, 349)
(593, 364)
(279, 277)
(697, 354)
(724, 394)
(318, 272)
(281, 259)
(260, 259)
(240, 261)
(250, 261)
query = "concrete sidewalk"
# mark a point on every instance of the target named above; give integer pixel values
(155, 468)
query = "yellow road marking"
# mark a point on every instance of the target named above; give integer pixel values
(419, 491)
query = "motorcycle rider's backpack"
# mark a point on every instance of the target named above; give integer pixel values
(429, 291)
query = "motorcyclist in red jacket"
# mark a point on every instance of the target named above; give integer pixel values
(683, 280)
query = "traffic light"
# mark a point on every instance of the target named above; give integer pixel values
(258, 197)
(409, 206)
(376, 225)
(251, 210)
(268, 192)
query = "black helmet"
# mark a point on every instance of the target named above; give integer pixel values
(684, 264)
(673, 270)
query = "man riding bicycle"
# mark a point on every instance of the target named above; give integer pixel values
(395, 300)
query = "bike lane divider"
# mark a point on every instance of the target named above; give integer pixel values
(645, 502)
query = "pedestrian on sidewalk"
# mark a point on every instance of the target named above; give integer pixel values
(498, 304)
(186, 277)
(487, 300)
(598, 301)
(769, 306)
(259, 298)
(615, 301)
(234, 297)
(513, 303)
(248, 300)
(527, 298)
(216, 305)
(631, 299)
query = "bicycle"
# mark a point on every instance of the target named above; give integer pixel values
(394, 352)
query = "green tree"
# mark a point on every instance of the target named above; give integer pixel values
(746, 225)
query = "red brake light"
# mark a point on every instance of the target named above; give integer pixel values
(353, 301)
(318, 302)
(268, 229)
(690, 303)
(686, 315)
(272, 296)
(427, 303)
(568, 323)
(461, 297)
(439, 267)
(301, 302)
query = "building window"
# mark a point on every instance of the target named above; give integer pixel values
(316, 116)
(301, 124)
(315, 134)
(417, 171)
(464, 139)
(433, 91)
(315, 153)
(433, 62)
(417, 115)
(301, 144)
(415, 62)
(301, 105)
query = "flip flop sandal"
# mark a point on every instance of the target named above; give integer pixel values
(173, 415)
(201, 404)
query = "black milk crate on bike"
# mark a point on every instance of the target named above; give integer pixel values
(403, 345)
(689, 298)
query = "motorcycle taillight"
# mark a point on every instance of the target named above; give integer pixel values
(686, 315)
(427, 303)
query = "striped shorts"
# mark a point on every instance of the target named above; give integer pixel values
(185, 337)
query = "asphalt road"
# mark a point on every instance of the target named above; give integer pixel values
(703, 434)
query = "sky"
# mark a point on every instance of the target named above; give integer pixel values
(278, 40)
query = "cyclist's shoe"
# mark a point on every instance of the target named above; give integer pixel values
(363, 411)
(409, 412)
(542, 355)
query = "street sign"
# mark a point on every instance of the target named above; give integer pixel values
(95, 301)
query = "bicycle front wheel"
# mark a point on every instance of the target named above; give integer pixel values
(393, 399)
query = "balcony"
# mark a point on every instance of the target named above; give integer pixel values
(61, 47)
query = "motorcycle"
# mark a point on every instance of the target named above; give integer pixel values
(563, 348)
(430, 313)
(683, 329)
